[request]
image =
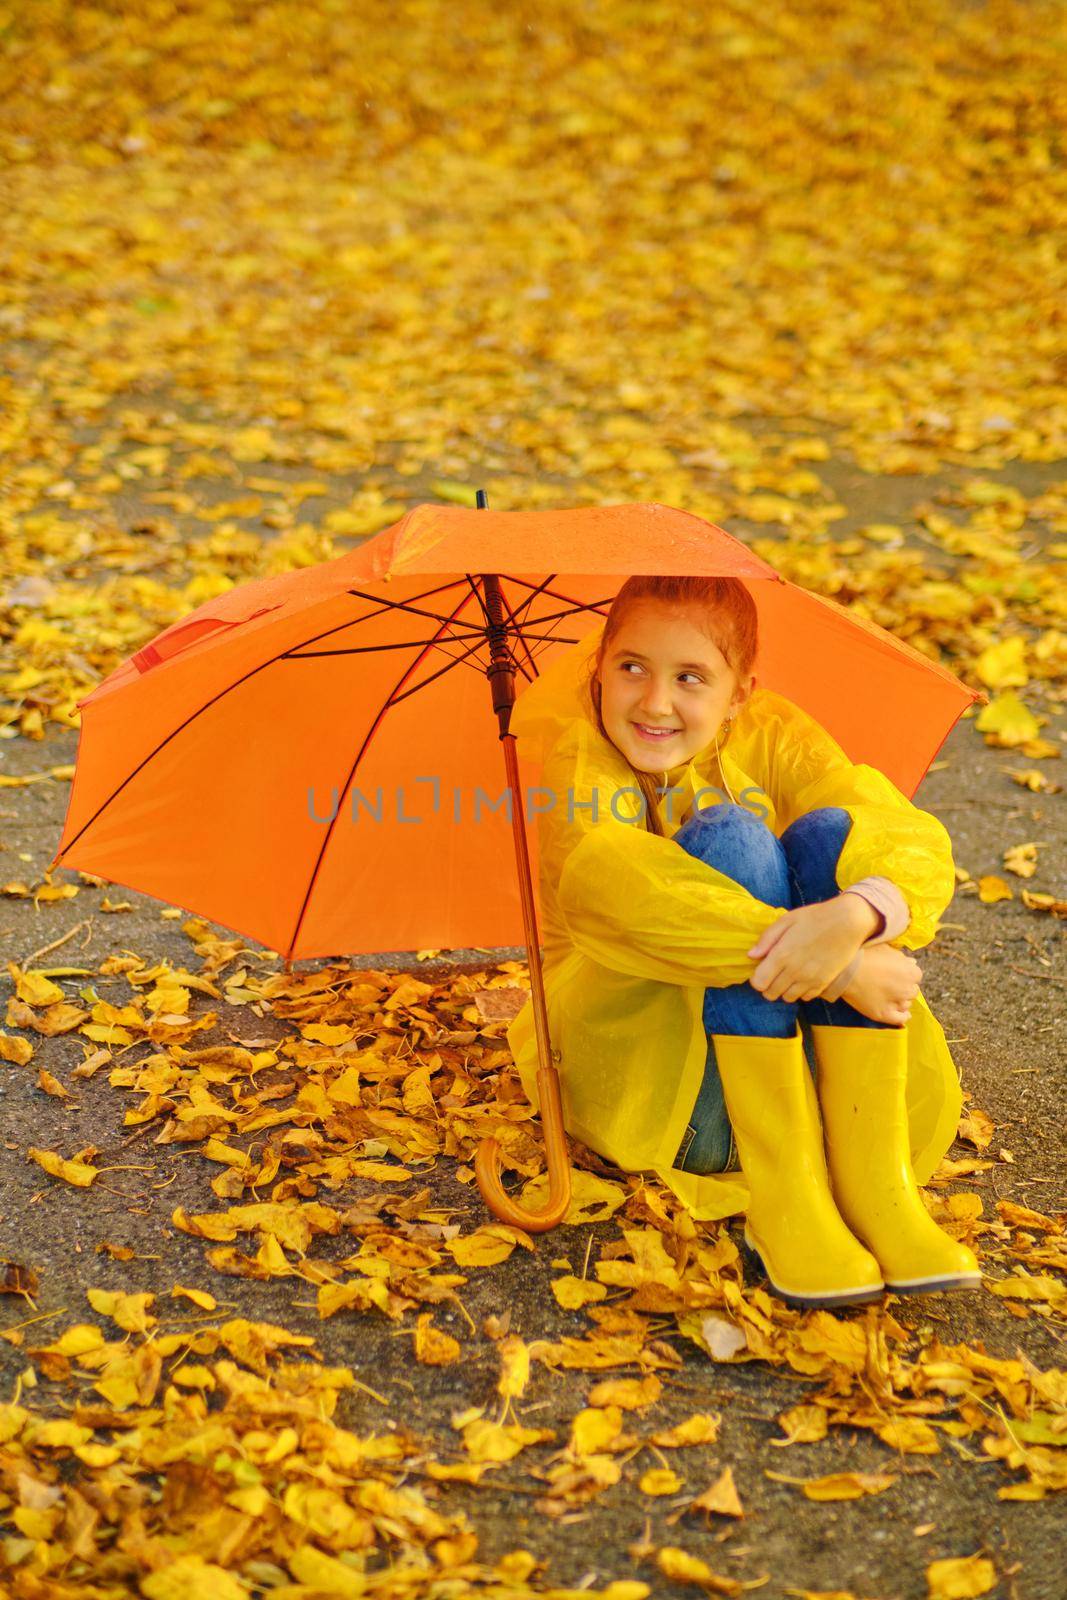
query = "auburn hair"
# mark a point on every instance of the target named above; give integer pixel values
(729, 619)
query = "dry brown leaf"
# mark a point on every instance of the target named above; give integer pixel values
(18, 1279)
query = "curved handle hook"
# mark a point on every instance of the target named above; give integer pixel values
(487, 1163)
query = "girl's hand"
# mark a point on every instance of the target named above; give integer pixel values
(885, 983)
(807, 947)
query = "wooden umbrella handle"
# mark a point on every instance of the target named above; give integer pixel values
(487, 1161)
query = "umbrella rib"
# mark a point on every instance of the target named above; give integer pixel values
(575, 610)
(395, 699)
(556, 616)
(405, 605)
(446, 621)
(569, 611)
(576, 605)
(417, 611)
(477, 593)
(531, 597)
(365, 649)
(406, 644)
(230, 687)
(548, 637)
(459, 662)
(553, 616)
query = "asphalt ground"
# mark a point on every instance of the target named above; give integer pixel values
(995, 979)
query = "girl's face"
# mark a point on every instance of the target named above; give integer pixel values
(665, 688)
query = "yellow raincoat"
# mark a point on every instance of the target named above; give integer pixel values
(634, 929)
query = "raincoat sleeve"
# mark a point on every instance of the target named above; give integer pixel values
(634, 901)
(886, 899)
(889, 836)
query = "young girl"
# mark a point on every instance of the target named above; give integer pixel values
(714, 871)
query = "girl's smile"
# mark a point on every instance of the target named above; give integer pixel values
(665, 687)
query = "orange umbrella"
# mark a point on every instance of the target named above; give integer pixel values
(307, 759)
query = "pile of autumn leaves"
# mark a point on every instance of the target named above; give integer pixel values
(177, 1449)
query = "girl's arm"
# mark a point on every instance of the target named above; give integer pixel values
(630, 900)
(889, 835)
(888, 905)
(890, 910)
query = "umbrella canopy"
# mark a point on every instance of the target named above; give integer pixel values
(259, 761)
(311, 759)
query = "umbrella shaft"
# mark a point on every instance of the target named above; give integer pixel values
(529, 913)
(501, 675)
(500, 672)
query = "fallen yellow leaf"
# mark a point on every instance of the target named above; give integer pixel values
(659, 1480)
(722, 1498)
(130, 1311)
(960, 1578)
(78, 1173)
(680, 1567)
(191, 1575)
(199, 1297)
(573, 1293)
(839, 1485)
(991, 889)
(433, 1347)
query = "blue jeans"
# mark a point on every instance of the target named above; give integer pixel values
(798, 869)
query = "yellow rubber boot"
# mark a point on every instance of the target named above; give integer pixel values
(808, 1253)
(862, 1074)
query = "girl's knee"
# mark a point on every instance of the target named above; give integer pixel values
(812, 847)
(724, 827)
(739, 844)
(825, 822)
(721, 817)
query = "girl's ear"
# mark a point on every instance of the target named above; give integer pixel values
(741, 696)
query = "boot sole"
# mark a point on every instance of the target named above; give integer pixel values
(863, 1295)
(935, 1285)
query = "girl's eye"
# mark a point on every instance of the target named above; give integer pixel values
(695, 676)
